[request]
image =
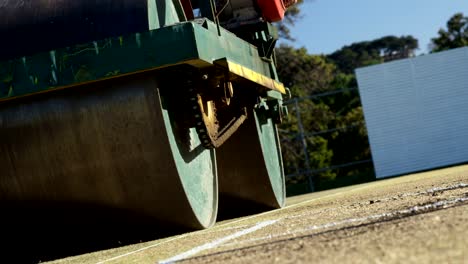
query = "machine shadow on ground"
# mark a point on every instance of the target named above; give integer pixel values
(44, 233)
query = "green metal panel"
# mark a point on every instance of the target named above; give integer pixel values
(97, 60)
(186, 42)
(211, 47)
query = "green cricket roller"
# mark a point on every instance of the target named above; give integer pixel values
(155, 107)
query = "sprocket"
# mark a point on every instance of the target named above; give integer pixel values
(215, 120)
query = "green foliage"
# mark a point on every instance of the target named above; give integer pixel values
(333, 126)
(303, 73)
(321, 157)
(367, 53)
(307, 74)
(343, 80)
(314, 117)
(353, 137)
(340, 114)
(351, 57)
(455, 36)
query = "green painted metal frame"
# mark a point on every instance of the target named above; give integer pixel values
(194, 43)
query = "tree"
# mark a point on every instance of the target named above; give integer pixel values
(333, 125)
(306, 74)
(303, 73)
(455, 36)
(380, 50)
(348, 58)
(392, 48)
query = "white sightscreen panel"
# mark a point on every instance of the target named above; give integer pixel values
(416, 112)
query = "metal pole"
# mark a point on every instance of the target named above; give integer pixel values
(304, 145)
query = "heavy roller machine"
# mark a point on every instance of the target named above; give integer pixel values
(146, 106)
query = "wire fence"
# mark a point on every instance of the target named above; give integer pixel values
(301, 136)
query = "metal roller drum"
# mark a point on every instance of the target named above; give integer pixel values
(250, 165)
(127, 138)
(31, 26)
(112, 144)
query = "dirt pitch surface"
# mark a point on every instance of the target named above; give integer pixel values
(420, 218)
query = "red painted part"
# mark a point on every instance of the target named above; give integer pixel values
(273, 10)
(188, 10)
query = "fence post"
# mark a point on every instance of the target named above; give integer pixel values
(304, 145)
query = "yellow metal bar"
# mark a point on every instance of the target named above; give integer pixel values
(251, 75)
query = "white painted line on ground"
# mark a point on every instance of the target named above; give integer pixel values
(314, 213)
(217, 242)
(211, 231)
(219, 227)
(355, 188)
(403, 195)
(447, 188)
(405, 212)
(429, 191)
(138, 250)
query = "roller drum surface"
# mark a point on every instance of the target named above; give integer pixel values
(250, 166)
(114, 144)
(31, 26)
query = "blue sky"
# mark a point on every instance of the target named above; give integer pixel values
(328, 25)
